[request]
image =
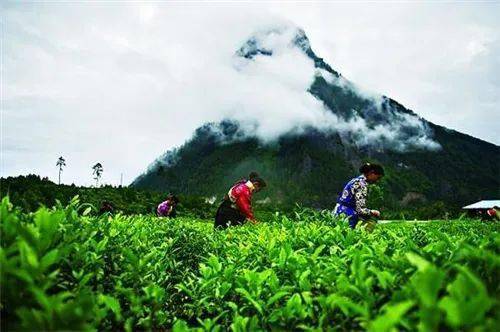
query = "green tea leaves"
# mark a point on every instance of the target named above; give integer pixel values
(63, 269)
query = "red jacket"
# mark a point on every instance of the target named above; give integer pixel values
(241, 195)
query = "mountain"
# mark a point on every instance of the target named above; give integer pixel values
(424, 162)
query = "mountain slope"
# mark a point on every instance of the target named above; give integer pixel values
(424, 162)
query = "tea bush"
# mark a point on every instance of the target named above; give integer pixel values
(62, 268)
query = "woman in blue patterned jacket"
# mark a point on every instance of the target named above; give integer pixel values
(352, 201)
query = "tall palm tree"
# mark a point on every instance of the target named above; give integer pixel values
(61, 162)
(97, 172)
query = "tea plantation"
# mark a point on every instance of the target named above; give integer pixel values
(63, 269)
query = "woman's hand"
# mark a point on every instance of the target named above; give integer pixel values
(375, 213)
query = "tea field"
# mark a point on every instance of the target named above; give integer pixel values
(64, 269)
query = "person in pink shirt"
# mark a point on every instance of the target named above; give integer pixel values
(236, 208)
(167, 207)
(493, 213)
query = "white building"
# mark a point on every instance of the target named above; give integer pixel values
(483, 205)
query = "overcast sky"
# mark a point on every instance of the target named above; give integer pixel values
(122, 83)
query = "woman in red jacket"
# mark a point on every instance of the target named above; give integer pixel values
(236, 207)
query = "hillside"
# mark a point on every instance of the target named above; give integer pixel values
(425, 163)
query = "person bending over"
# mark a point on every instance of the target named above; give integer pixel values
(168, 207)
(236, 208)
(352, 201)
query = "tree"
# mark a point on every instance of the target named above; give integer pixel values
(97, 172)
(61, 162)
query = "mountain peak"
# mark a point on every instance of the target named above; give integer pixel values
(266, 42)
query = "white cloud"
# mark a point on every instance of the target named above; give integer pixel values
(440, 60)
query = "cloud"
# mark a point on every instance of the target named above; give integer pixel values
(267, 95)
(440, 60)
(123, 83)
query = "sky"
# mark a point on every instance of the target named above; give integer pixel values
(120, 83)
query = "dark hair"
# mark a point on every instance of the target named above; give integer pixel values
(369, 167)
(255, 178)
(106, 207)
(173, 198)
